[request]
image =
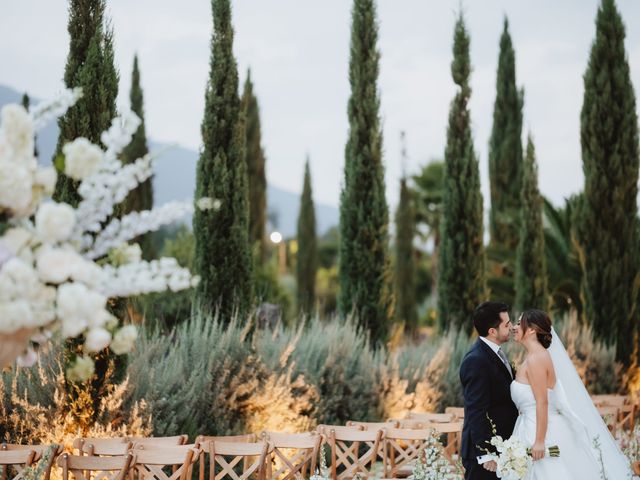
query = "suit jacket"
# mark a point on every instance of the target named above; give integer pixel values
(486, 385)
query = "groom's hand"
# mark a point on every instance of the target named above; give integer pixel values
(492, 466)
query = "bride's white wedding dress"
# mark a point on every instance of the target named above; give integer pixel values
(573, 425)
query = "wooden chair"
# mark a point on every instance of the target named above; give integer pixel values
(153, 462)
(610, 416)
(432, 417)
(228, 455)
(160, 441)
(452, 433)
(107, 447)
(402, 448)
(410, 423)
(373, 425)
(323, 429)
(626, 416)
(18, 459)
(203, 440)
(346, 460)
(457, 412)
(297, 453)
(95, 468)
(40, 451)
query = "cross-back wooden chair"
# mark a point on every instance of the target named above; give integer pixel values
(295, 454)
(40, 451)
(16, 460)
(410, 423)
(323, 429)
(202, 442)
(457, 412)
(373, 426)
(432, 417)
(160, 441)
(452, 433)
(626, 415)
(95, 468)
(346, 459)
(225, 458)
(101, 446)
(153, 462)
(402, 448)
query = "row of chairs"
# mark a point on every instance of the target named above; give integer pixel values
(618, 411)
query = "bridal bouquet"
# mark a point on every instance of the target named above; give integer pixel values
(513, 457)
(60, 265)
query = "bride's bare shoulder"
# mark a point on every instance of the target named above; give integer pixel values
(540, 360)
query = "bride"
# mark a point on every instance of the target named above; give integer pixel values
(555, 409)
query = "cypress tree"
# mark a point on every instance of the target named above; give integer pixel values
(607, 231)
(531, 269)
(461, 285)
(141, 198)
(505, 149)
(363, 253)
(223, 253)
(405, 277)
(255, 171)
(307, 258)
(90, 65)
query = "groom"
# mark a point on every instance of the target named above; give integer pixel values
(486, 378)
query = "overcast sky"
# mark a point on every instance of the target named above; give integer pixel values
(298, 54)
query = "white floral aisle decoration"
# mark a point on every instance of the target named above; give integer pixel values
(60, 265)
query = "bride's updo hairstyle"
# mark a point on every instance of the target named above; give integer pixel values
(541, 324)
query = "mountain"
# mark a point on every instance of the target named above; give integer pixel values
(175, 178)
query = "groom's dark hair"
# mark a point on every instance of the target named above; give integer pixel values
(487, 315)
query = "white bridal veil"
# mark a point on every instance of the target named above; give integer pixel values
(584, 416)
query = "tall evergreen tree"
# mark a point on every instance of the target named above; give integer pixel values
(141, 198)
(405, 277)
(531, 269)
(461, 285)
(608, 213)
(223, 253)
(505, 174)
(307, 257)
(363, 255)
(505, 149)
(255, 170)
(90, 65)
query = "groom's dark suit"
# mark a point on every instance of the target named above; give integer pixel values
(486, 384)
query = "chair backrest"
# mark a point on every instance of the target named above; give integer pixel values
(203, 440)
(373, 425)
(609, 400)
(409, 423)
(453, 436)
(457, 412)
(160, 441)
(610, 416)
(294, 454)
(346, 457)
(18, 459)
(39, 451)
(153, 462)
(225, 457)
(94, 468)
(101, 446)
(402, 447)
(432, 417)
(325, 429)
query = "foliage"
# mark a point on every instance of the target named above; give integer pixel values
(405, 271)
(608, 223)
(307, 255)
(461, 284)
(365, 283)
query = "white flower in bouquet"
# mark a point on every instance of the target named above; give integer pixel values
(97, 339)
(55, 221)
(46, 178)
(17, 131)
(82, 158)
(77, 306)
(125, 254)
(124, 339)
(16, 183)
(82, 369)
(18, 243)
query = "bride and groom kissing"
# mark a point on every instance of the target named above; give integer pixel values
(543, 404)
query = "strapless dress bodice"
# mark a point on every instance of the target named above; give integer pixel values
(525, 401)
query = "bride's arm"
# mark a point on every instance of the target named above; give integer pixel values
(537, 375)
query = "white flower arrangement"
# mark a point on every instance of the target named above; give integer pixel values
(432, 463)
(60, 265)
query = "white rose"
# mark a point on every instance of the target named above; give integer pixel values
(76, 306)
(15, 315)
(87, 272)
(15, 239)
(97, 339)
(54, 264)
(124, 339)
(55, 221)
(17, 129)
(20, 279)
(81, 370)
(16, 185)
(82, 158)
(46, 177)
